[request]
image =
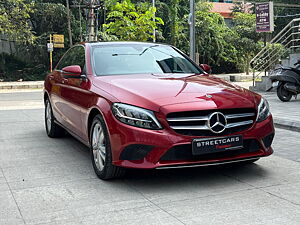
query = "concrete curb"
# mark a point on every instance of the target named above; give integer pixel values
(22, 85)
(287, 124)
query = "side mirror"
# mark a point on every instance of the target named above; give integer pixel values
(72, 71)
(206, 68)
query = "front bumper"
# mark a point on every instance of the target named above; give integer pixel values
(148, 149)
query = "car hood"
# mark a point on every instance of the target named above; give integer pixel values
(155, 91)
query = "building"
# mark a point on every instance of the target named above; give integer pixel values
(225, 7)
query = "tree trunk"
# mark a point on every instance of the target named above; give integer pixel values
(174, 16)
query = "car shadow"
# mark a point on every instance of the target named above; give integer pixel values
(185, 177)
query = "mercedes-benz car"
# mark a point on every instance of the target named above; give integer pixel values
(149, 106)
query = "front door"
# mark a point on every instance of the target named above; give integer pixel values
(74, 92)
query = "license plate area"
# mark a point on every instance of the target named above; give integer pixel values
(220, 144)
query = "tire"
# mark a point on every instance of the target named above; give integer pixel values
(53, 130)
(101, 153)
(283, 94)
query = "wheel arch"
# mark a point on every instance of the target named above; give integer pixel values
(93, 112)
(46, 96)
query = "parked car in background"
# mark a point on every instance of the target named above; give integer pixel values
(147, 106)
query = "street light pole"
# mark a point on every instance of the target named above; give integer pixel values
(91, 22)
(154, 36)
(192, 30)
(69, 23)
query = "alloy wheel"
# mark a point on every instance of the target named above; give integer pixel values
(48, 116)
(98, 145)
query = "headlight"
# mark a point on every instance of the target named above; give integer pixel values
(263, 110)
(135, 116)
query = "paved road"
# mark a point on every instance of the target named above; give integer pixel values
(51, 181)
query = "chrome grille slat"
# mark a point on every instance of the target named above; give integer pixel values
(196, 123)
(190, 127)
(233, 116)
(230, 125)
(198, 118)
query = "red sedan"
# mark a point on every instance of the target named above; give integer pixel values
(146, 105)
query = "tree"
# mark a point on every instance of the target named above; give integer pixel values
(213, 37)
(247, 39)
(127, 21)
(14, 17)
(44, 19)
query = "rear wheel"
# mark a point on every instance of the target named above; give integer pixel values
(53, 130)
(283, 94)
(101, 151)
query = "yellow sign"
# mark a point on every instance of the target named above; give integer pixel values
(58, 41)
(58, 45)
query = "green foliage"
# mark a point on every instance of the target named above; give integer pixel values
(32, 58)
(49, 18)
(46, 19)
(247, 40)
(14, 16)
(128, 21)
(274, 50)
(226, 49)
(13, 68)
(213, 37)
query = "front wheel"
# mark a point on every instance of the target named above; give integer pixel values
(53, 130)
(283, 94)
(101, 151)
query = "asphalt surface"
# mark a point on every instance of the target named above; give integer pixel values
(51, 181)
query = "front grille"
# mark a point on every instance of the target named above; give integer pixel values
(195, 123)
(184, 152)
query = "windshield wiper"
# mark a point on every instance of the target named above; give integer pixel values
(146, 49)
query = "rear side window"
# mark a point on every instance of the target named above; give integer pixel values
(75, 56)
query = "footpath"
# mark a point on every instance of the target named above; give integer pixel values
(286, 114)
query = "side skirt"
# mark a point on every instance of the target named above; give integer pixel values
(73, 134)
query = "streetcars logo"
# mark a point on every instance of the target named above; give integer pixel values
(221, 141)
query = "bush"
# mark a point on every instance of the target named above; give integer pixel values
(12, 68)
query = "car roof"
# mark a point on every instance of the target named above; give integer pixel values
(122, 43)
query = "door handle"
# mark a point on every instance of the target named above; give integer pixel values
(64, 81)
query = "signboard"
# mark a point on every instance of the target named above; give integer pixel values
(58, 41)
(264, 17)
(50, 47)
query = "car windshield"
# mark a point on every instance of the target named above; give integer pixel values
(124, 59)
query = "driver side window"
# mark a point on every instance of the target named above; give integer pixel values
(75, 56)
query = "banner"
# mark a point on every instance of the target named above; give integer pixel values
(264, 17)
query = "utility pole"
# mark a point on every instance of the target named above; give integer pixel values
(154, 35)
(192, 30)
(91, 6)
(69, 23)
(91, 22)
